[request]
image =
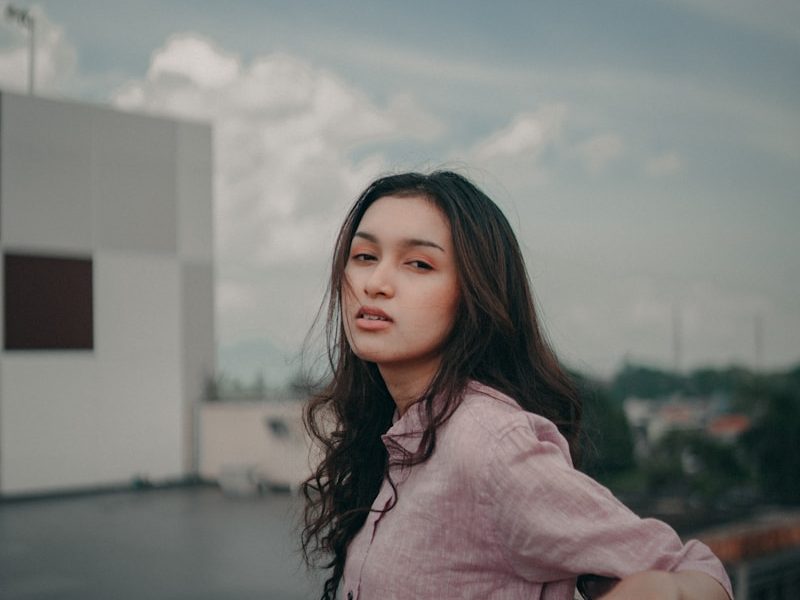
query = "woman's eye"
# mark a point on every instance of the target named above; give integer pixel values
(363, 257)
(420, 264)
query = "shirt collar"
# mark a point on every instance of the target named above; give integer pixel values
(405, 434)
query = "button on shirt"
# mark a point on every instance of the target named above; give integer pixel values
(498, 512)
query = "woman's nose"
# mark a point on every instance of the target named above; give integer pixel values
(379, 282)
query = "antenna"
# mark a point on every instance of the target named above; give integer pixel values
(758, 341)
(25, 18)
(676, 338)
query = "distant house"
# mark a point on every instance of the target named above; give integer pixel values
(248, 446)
(728, 428)
(107, 294)
(652, 419)
(681, 414)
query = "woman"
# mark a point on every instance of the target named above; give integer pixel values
(448, 425)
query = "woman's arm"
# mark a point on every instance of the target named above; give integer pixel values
(536, 500)
(663, 585)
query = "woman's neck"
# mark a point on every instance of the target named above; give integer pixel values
(407, 384)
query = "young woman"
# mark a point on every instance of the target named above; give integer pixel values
(448, 425)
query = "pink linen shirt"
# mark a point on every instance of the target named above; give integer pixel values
(498, 512)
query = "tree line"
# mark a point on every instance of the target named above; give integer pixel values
(759, 466)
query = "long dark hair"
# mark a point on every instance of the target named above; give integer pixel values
(496, 340)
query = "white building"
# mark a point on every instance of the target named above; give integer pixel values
(107, 294)
(251, 445)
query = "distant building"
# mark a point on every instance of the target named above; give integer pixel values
(652, 419)
(107, 294)
(249, 446)
(727, 428)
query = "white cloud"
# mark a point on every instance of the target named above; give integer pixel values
(56, 57)
(527, 135)
(664, 164)
(284, 133)
(198, 60)
(513, 154)
(599, 151)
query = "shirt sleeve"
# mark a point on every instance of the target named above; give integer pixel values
(553, 522)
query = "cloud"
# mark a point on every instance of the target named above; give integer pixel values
(285, 134)
(514, 153)
(527, 135)
(664, 164)
(56, 57)
(198, 61)
(599, 151)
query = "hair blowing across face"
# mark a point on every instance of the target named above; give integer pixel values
(495, 340)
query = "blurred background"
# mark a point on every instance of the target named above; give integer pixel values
(171, 178)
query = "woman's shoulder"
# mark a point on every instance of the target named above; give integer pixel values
(487, 417)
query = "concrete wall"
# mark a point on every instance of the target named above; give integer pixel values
(134, 194)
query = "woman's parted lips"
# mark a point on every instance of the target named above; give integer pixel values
(372, 313)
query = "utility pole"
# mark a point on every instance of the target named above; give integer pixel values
(677, 338)
(759, 342)
(25, 18)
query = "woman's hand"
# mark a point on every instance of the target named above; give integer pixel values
(646, 585)
(663, 585)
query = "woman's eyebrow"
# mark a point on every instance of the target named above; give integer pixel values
(407, 242)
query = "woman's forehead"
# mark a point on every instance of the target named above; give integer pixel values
(402, 219)
(405, 211)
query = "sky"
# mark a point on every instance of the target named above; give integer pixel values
(647, 153)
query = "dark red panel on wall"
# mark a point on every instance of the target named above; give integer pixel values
(48, 303)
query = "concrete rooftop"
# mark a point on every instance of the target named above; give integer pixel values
(174, 544)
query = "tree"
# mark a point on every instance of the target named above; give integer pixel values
(691, 462)
(606, 439)
(706, 381)
(645, 382)
(304, 385)
(771, 443)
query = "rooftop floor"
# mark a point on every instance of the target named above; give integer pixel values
(171, 544)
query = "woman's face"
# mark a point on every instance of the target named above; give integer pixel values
(400, 289)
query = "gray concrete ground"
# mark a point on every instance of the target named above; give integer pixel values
(168, 544)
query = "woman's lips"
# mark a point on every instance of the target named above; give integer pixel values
(372, 319)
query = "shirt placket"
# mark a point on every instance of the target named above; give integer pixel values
(382, 502)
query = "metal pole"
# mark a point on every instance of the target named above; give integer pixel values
(24, 18)
(743, 581)
(759, 342)
(32, 57)
(677, 338)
